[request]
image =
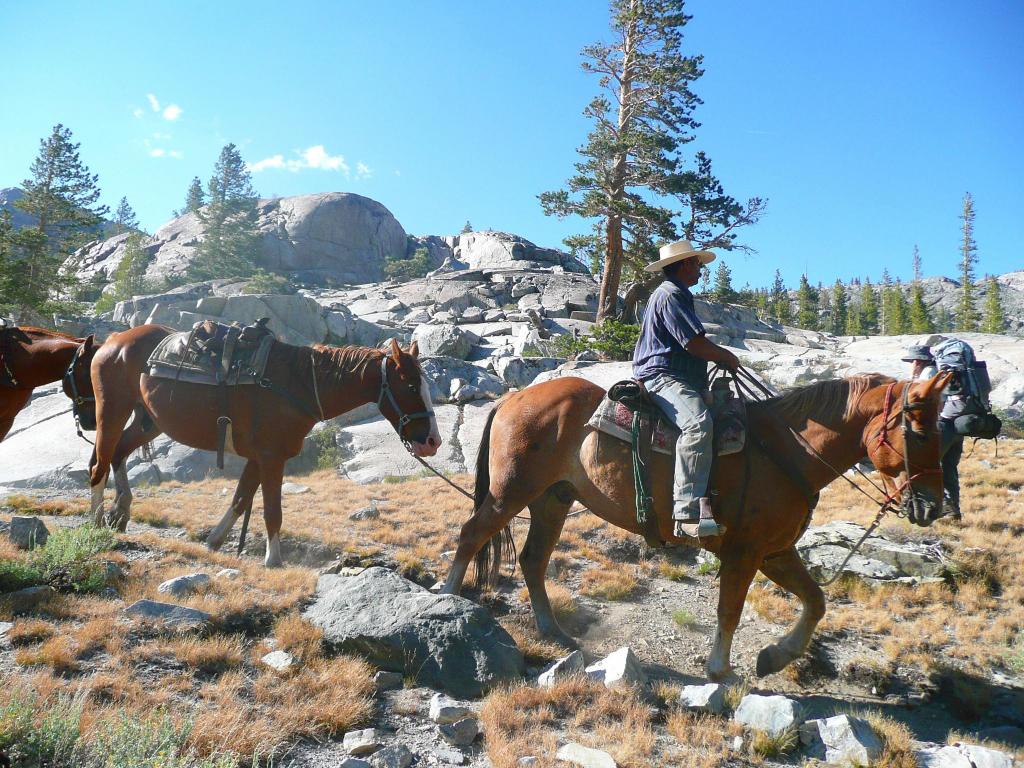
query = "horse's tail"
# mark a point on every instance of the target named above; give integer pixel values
(488, 559)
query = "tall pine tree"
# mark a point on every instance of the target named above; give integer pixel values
(230, 237)
(778, 306)
(868, 309)
(840, 308)
(919, 319)
(195, 198)
(124, 218)
(994, 319)
(806, 305)
(966, 314)
(723, 290)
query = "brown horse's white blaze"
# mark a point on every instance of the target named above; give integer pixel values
(538, 451)
(432, 444)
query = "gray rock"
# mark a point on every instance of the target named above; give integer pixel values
(24, 600)
(567, 665)
(444, 709)
(279, 660)
(353, 762)
(461, 733)
(442, 372)
(1005, 734)
(771, 714)
(447, 642)
(143, 474)
(824, 547)
(586, 757)
(520, 372)
(528, 760)
(395, 756)
(228, 573)
(452, 756)
(5, 627)
(28, 532)
(294, 489)
(705, 698)
(365, 513)
(841, 740)
(184, 585)
(362, 742)
(960, 755)
(618, 668)
(388, 681)
(177, 616)
(442, 340)
(503, 251)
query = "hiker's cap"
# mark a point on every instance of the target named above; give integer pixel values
(918, 352)
(677, 251)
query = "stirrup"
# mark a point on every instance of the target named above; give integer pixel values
(699, 529)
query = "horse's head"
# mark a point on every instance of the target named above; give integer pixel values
(77, 383)
(903, 442)
(408, 407)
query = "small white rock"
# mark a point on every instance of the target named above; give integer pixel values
(771, 714)
(354, 762)
(395, 756)
(841, 740)
(184, 585)
(705, 698)
(446, 710)
(618, 668)
(293, 489)
(461, 733)
(228, 573)
(279, 660)
(361, 742)
(388, 681)
(586, 757)
(565, 666)
(528, 760)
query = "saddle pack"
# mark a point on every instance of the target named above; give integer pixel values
(628, 413)
(218, 355)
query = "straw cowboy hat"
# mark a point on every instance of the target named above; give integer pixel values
(677, 251)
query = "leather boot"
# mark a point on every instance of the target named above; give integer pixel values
(701, 526)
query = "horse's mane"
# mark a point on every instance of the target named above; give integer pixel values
(346, 361)
(31, 329)
(828, 402)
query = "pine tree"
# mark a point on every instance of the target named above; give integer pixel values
(854, 320)
(994, 320)
(195, 198)
(966, 310)
(129, 278)
(868, 309)
(124, 218)
(632, 160)
(806, 305)
(705, 282)
(779, 307)
(466, 228)
(898, 322)
(840, 309)
(230, 237)
(885, 308)
(723, 290)
(917, 265)
(919, 318)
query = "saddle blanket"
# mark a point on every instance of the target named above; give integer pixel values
(615, 419)
(198, 358)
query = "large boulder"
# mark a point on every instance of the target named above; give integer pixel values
(442, 341)
(331, 236)
(506, 251)
(444, 641)
(879, 560)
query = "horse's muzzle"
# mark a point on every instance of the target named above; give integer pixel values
(87, 418)
(425, 449)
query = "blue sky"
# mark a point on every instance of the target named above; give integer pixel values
(862, 123)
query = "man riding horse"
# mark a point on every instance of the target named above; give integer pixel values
(671, 359)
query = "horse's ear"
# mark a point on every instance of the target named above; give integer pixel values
(396, 350)
(414, 349)
(934, 386)
(90, 341)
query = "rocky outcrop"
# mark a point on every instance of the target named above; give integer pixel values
(501, 250)
(824, 547)
(332, 236)
(444, 641)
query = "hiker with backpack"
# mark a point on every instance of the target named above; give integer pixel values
(966, 411)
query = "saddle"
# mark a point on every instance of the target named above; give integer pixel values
(217, 355)
(628, 413)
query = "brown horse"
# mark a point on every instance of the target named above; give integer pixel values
(538, 451)
(268, 424)
(29, 358)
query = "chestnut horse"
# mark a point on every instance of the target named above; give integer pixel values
(269, 425)
(538, 451)
(29, 358)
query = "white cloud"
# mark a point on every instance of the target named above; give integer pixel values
(176, 154)
(153, 102)
(157, 152)
(315, 157)
(363, 171)
(172, 112)
(138, 112)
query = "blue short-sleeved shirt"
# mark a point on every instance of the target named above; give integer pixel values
(670, 322)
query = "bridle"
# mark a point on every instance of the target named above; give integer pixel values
(403, 418)
(77, 400)
(883, 439)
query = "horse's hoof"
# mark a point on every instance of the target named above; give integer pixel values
(771, 660)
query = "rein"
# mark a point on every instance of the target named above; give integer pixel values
(77, 400)
(758, 391)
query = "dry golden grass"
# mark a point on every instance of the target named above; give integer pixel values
(535, 649)
(523, 720)
(299, 637)
(673, 571)
(563, 603)
(28, 631)
(20, 504)
(57, 653)
(615, 582)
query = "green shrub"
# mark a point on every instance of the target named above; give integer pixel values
(68, 561)
(269, 283)
(684, 618)
(407, 267)
(17, 574)
(325, 443)
(611, 339)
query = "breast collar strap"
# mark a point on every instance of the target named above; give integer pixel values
(385, 391)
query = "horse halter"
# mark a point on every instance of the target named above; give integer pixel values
(403, 417)
(77, 400)
(883, 439)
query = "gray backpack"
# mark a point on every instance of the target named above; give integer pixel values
(971, 385)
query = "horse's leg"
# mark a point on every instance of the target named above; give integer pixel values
(271, 476)
(139, 432)
(735, 576)
(242, 501)
(11, 403)
(111, 415)
(789, 572)
(547, 515)
(492, 515)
